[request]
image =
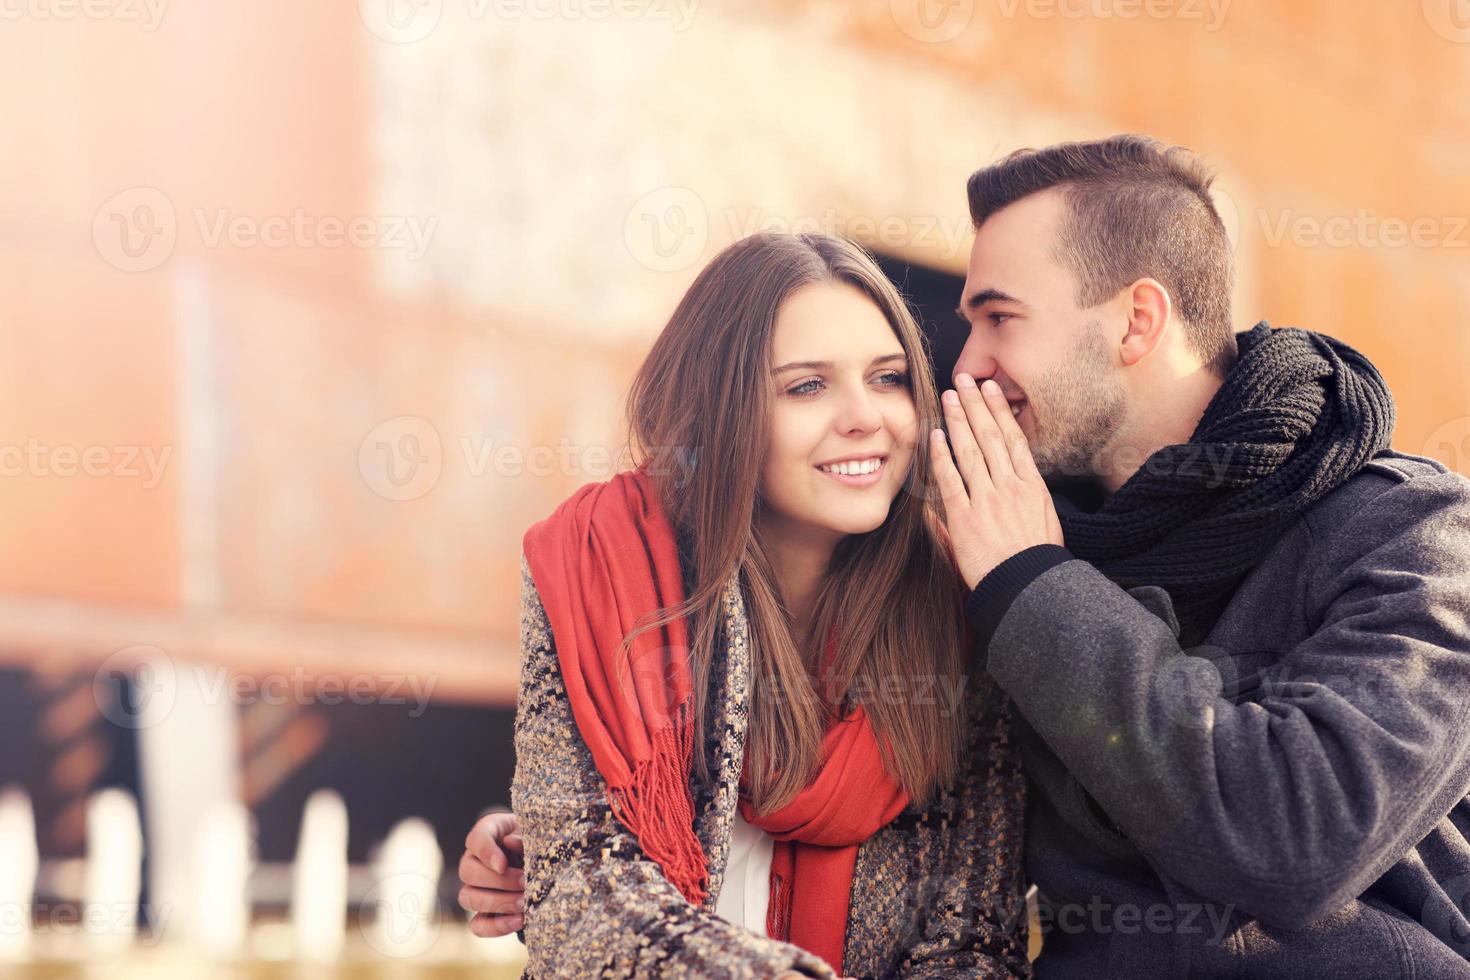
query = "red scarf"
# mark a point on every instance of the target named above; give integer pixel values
(818, 834)
(602, 560)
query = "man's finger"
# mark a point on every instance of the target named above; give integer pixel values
(488, 852)
(980, 410)
(946, 477)
(968, 458)
(473, 871)
(495, 926)
(491, 901)
(489, 840)
(1019, 447)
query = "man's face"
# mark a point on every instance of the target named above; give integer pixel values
(1057, 363)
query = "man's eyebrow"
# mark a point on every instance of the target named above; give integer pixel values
(826, 365)
(980, 299)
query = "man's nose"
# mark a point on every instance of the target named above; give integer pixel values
(975, 360)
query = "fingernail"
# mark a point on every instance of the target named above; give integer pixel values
(991, 388)
(951, 397)
(964, 381)
(521, 905)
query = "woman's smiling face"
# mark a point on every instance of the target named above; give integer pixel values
(844, 421)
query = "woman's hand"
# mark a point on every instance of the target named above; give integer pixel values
(494, 882)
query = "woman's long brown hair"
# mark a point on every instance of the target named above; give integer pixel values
(704, 396)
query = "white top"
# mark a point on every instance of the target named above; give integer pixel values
(747, 889)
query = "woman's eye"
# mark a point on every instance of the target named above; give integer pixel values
(888, 379)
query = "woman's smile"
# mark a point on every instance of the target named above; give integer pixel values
(855, 471)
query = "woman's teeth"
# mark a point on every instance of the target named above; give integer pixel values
(854, 468)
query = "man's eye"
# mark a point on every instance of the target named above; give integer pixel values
(999, 318)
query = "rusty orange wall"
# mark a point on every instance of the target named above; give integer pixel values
(1315, 112)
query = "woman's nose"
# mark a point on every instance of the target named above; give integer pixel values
(859, 413)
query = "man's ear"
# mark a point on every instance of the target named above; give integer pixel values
(1149, 308)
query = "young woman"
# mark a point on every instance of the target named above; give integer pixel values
(748, 740)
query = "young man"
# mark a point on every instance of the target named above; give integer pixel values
(1243, 677)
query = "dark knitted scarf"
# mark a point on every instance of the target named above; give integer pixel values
(1298, 415)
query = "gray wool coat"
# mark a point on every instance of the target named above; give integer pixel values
(1287, 800)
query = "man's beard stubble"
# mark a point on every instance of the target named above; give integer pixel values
(1081, 407)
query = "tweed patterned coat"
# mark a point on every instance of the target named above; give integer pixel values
(936, 893)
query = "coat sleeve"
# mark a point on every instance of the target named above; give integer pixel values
(1290, 803)
(596, 906)
(976, 923)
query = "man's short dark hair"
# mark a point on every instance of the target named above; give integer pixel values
(1135, 208)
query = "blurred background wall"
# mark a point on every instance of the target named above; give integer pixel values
(308, 310)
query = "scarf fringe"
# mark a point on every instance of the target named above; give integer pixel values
(778, 909)
(656, 807)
